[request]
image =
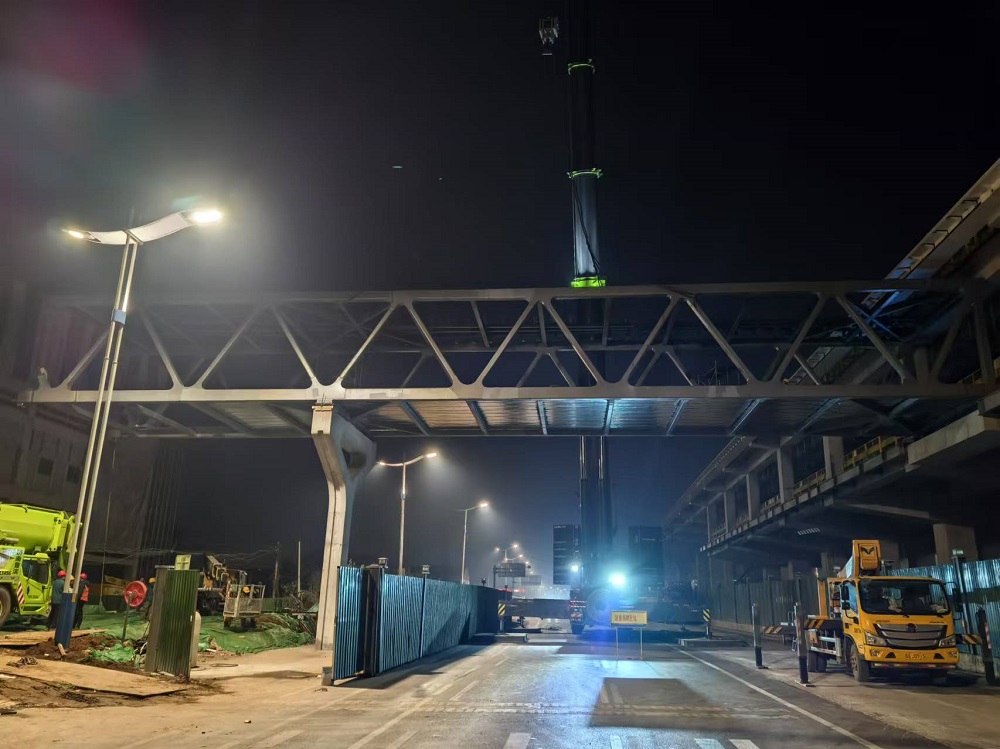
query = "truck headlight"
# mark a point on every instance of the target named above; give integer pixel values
(871, 639)
(947, 642)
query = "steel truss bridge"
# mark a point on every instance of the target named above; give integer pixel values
(733, 359)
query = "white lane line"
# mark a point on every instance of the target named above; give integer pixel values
(278, 739)
(463, 690)
(517, 741)
(708, 744)
(386, 726)
(743, 744)
(616, 742)
(604, 694)
(401, 740)
(802, 711)
(616, 696)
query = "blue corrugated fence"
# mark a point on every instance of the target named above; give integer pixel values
(385, 621)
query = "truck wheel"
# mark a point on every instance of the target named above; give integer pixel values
(576, 629)
(5, 606)
(859, 666)
(820, 664)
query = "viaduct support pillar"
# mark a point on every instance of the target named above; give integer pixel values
(346, 456)
(833, 456)
(786, 473)
(753, 494)
(729, 502)
(948, 538)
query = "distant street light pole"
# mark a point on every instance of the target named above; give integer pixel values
(402, 498)
(465, 532)
(132, 239)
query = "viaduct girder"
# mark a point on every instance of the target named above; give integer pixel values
(723, 359)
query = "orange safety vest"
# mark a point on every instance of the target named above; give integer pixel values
(85, 593)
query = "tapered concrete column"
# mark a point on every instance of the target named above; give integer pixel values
(729, 503)
(753, 495)
(786, 473)
(949, 538)
(346, 456)
(833, 456)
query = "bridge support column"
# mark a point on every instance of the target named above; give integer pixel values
(833, 456)
(729, 503)
(947, 538)
(346, 456)
(786, 473)
(753, 494)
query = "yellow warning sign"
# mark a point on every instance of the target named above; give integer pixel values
(628, 618)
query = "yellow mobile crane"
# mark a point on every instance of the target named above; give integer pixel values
(872, 622)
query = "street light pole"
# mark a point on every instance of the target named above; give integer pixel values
(402, 498)
(465, 533)
(131, 239)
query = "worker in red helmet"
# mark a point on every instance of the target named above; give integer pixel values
(83, 598)
(57, 591)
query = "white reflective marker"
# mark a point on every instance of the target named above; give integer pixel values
(517, 741)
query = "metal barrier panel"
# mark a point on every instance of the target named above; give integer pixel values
(348, 657)
(775, 600)
(453, 613)
(981, 581)
(400, 614)
(172, 622)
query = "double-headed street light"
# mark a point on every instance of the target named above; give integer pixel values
(402, 497)
(509, 548)
(132, 239)
(465, 531)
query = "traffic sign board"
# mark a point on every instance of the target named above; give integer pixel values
(628, 619)
(511, 569)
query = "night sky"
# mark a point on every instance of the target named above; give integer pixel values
(737, 144)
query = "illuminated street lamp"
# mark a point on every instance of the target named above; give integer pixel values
(465, 531)
(402, 497)
(505, 558)
(132, 239)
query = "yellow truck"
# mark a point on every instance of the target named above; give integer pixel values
(875, 623)
(33, 548)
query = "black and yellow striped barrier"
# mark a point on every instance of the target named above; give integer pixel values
(965, 639)
(501, 609)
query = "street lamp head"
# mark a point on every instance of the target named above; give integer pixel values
(520, 556)
(497, 549)
(484, 504)
(431, 455)
(206, 216)
(514, 546)
(381, 463)
(75, 233)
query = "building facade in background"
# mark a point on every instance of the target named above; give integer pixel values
(565, 553)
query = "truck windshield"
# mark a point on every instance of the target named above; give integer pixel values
(903, 597)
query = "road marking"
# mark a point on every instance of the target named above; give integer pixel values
(279, 739)
(604, 694)
(616, 696)
(708, 744)
(743, 744)
(802, 711)
(517, 741)
(386, 726)
(401, 740)
(616, 742)
(462, 691)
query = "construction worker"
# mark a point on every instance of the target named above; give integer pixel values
(84, 597)
(57, 591)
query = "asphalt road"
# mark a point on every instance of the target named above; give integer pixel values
(556, 691)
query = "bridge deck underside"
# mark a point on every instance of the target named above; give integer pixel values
(697, 360)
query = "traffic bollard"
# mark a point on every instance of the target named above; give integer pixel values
(800, 638)
(706, 614)
(758, 651)
(986, 648)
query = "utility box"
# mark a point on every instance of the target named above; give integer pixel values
(172, 621)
